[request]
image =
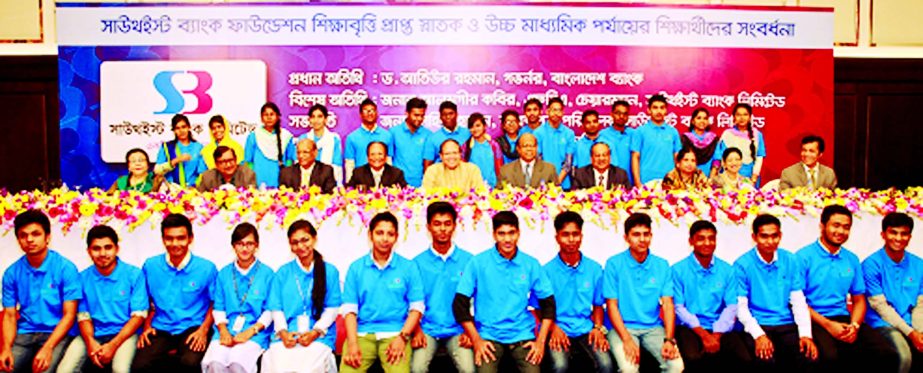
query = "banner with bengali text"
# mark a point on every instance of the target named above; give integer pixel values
(126, 70)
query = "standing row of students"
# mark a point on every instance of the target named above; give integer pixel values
(645, 153)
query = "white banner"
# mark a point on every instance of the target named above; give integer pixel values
(139, 98)
(539, 24)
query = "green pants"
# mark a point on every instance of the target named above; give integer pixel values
(372, 350)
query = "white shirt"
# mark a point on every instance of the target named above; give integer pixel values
(376, 176)
(604, 175)
(530, 166)
(306, 175)
(807, 171)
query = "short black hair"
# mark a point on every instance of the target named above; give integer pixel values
(555, 100)
(567, 217)
(621, 103)
(729, 151)
(367, 102)
(176, 221)
(504, 218)
(382, 217)
(588, 113)
(896, 220)
(448, 105)
(636, 219)
(220, 150)
(532, 101)
(682, 153)
(765, 219)
(31, 216)
(440, 207)
(656, 98)
(243, 230)
(102, 231)
(369, 147)
(814, 138)
(508, 112)
(701, 225)
(315, 107)
(415, 103)
(475, 117)
(834, 210)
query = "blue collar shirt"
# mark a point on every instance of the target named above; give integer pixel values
(898, 282)
(110, 301)
(40, 292)
(181, 296)
(829, 278)
(381, 297)
(638, 288)
(440, 278)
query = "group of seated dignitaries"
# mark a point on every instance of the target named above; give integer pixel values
(771, 311)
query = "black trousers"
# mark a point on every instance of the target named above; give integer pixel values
(732, 355)
(155, 358)
(786, 357)
(869, 352)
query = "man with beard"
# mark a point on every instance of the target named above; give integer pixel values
(441, 266)
(833, 275)
(113, 307)
(180, 317)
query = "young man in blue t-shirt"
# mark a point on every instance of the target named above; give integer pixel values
(654, 145)
(44, 285)
(638, 287)
(180, 317)
(501, 281)
(114, 306)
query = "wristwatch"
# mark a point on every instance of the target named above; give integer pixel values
(405, 336)
(671, 340)
(602, 328)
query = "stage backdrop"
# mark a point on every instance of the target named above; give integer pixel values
(126, 69)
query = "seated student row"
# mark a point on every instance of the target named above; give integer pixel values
(784, 302)
(273, 157)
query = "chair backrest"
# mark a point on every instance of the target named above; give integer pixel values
(772, 185)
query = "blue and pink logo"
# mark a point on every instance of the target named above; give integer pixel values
(163, 83)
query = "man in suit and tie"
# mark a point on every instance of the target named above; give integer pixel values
(528, 170)
(809, 172)
(227, 171)
(600, 172)
(308, 171)
(377, 172)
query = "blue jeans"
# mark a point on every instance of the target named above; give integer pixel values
(462, 357)
(650, 339)
(26, 346)
(906, 353)
(560, 360)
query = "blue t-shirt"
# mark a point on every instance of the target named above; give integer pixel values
(501, 289)
(768, 287)
(577, 290)
(407, 152)
(291, 293)
(555, 145)
(435, 140)
(829, 278)
(191, 168)
(898, 282)
(40, 292)
(482, 155)
(705, 292)
(657, 145)
(267, 169)
(512, 148)
(237, 294)
(638, 288)
(383, 296)
(357, 143)
(440, 280)
(181, 297)
(110, 300)
(622, 150)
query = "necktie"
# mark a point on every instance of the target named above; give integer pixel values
(528, 175)
(600, 183)
(812, 178)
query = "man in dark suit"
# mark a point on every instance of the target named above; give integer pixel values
(377, 173)
(809, 172)
(600, 172)
(528, 171)
(308, 171)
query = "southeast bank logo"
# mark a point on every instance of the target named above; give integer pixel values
(174, 97)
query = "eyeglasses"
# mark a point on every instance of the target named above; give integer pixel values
(226, 161)
(248, 245)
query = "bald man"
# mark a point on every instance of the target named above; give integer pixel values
(528, 171)
(308, 171)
